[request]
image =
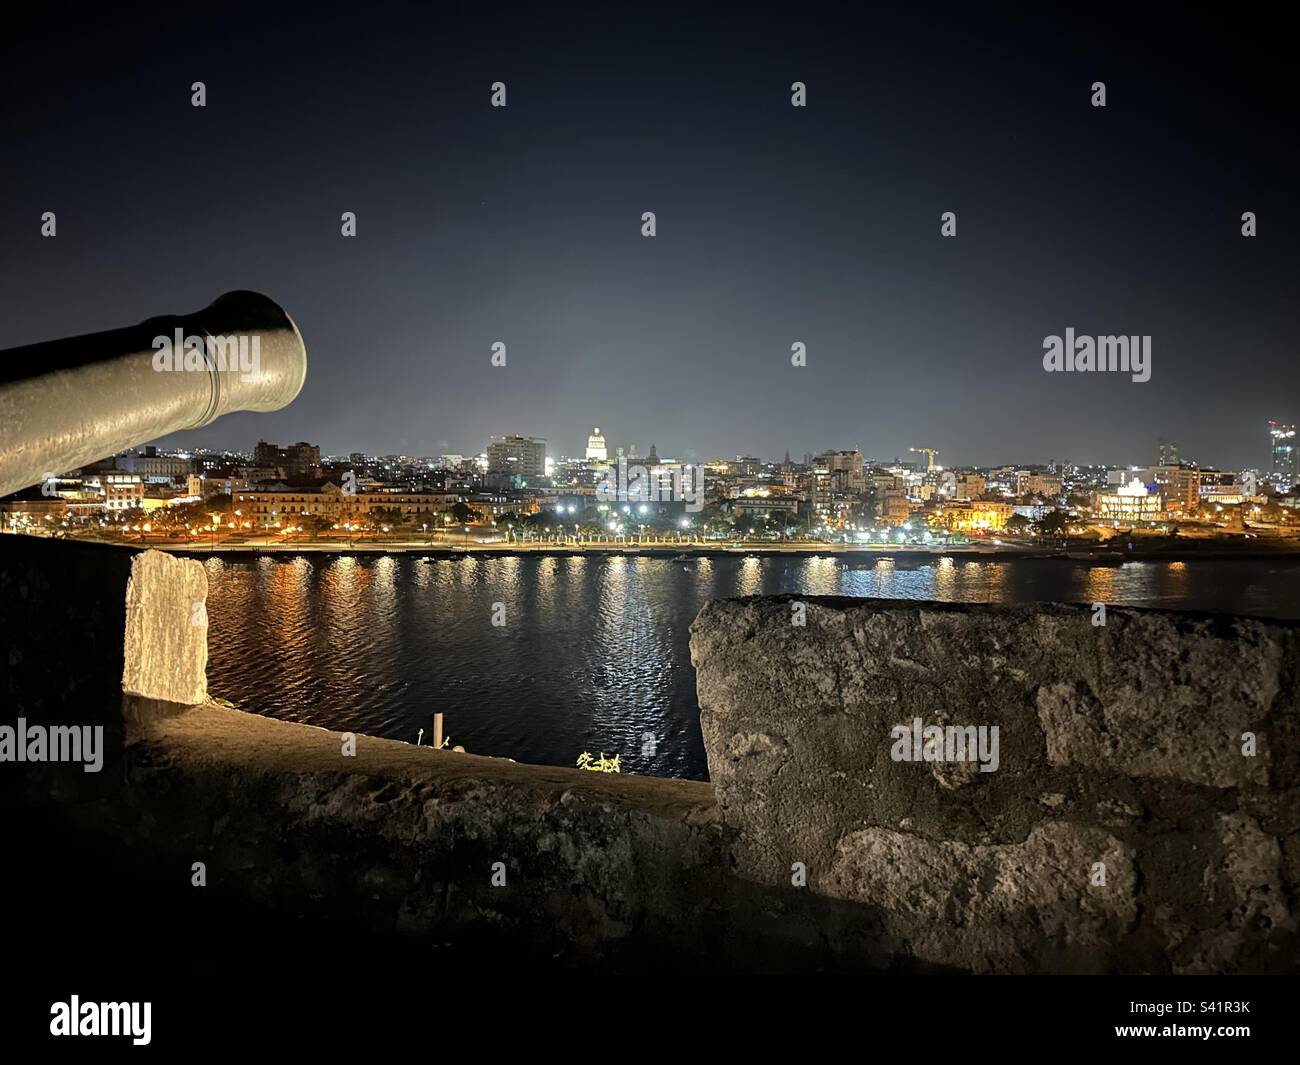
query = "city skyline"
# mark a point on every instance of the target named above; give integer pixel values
(1157, 450)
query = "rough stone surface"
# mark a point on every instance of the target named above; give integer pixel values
(1063, 895)
(406, 840)
(385, 852)
(1120, 745)
(166, 629)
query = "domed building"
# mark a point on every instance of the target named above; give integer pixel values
(596, 449)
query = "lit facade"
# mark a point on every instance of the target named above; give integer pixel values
(1043, 485)
(1282, 467)
(523, 456)
(976, 516)
(1128, 504)
(266, 506)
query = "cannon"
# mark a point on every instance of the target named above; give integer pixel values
(65, 403)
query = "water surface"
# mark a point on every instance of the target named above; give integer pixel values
(594, 654)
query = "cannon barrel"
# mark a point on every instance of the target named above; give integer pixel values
(66, 403)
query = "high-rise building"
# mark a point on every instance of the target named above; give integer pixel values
(970, 486)
(596, 450)
(296, 460)
(1168, 455)
(848, 466)
(524, 456)
(1035, 483)
(1282, 466)
(1180, 486)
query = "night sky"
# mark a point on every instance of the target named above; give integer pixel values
(775, 224)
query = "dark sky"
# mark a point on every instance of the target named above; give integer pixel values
(775, 224)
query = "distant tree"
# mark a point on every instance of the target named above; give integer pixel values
(1018, 523)
(1054, 523)
(201, 513)
(316, 524)
(464, 513)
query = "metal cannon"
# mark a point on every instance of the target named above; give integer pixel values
(65, 403)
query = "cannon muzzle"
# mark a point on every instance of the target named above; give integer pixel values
(69, 402)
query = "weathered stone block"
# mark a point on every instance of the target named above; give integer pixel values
(1152, 745)
(986, 908)
(166, 653)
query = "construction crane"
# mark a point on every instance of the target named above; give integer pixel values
(931, 456)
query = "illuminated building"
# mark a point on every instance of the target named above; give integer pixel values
(846, 470)
(268, 504)
(975, 516)
(596, 450)
(837, 481)
(522, 456)
(1130, 503)
(1219, 488)
(31, 505)
(784, 508)
(1032, 483)
(1282, 468)
(1179, 486)
(147, 463)
(895, 508)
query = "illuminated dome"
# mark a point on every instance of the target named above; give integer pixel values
(596, 446)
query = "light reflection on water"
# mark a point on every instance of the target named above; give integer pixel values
(593, 653)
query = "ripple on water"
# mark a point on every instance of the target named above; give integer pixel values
(591, 654)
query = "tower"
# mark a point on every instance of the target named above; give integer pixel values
(596, 450)
(1282, 470)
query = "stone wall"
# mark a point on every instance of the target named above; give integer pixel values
(62, 634)
(374, 845)
(1126, 827)
(1122, 830)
